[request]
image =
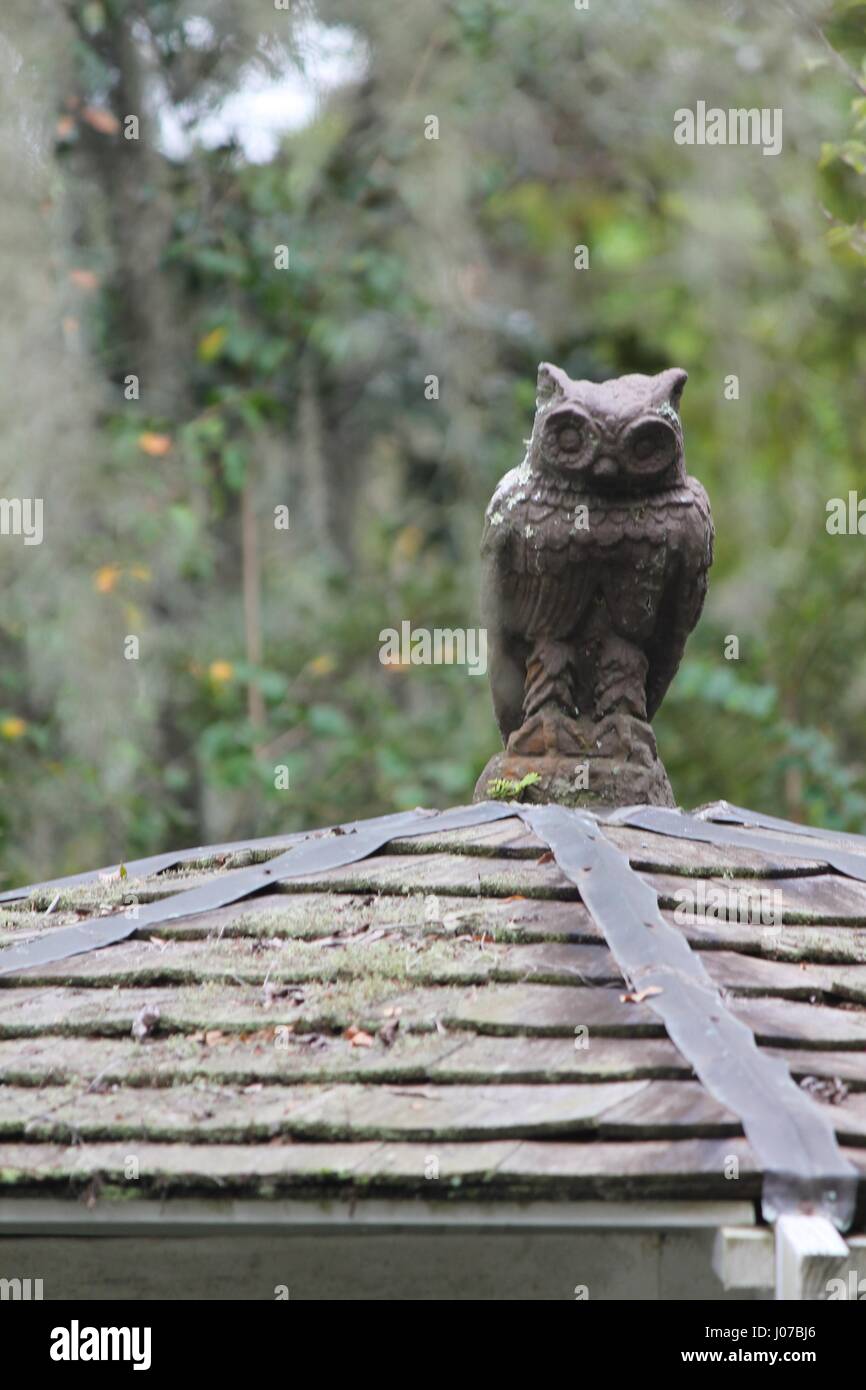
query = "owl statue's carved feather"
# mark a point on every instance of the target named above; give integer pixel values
(595, 553)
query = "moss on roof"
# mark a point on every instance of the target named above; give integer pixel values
(446, 1005)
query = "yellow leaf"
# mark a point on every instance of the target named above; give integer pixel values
(105, 122)
(156, 445)
(13, 727)
(220, 671)
(105, 579)
(408, 543)
(84, 279)
(210, 345)
(322, 665)
(142, 572)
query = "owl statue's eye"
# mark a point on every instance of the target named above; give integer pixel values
(652, 446)
(566, 437)
(569, 439)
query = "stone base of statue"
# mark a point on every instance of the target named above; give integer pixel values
(578, 762)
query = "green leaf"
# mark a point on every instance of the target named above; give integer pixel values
(328, 721)
(234, 466)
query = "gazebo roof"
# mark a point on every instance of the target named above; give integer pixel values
(442, 1016)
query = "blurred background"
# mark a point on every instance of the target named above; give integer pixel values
(165, 385)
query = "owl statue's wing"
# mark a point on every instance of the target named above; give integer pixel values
(690, 539)
(505, 651)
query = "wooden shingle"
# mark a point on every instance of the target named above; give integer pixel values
(449, 997)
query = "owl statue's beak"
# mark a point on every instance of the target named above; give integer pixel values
(605, 467)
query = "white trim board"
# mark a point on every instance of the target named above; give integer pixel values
(58, 1216)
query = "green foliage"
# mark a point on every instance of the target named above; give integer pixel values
(305, 388)
(509, 788)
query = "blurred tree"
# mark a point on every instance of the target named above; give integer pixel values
(345, 321)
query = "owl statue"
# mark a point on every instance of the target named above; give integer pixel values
(594, 571)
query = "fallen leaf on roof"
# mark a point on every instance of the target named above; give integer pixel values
(830, 1089)
(145, 1021)
(262, 1037)
(272, 992)
(388, 1031)
(357, 1037)
(637, 996)
(373, 936)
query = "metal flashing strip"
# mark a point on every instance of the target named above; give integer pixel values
(158, 863)
(346, 846)
(793, 1140)
(679, 825)
(722, 812)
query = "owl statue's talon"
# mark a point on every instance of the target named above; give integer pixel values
(595, 558)
(548, 732)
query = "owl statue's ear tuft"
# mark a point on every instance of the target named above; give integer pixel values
(672, 383)
(551, 382)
